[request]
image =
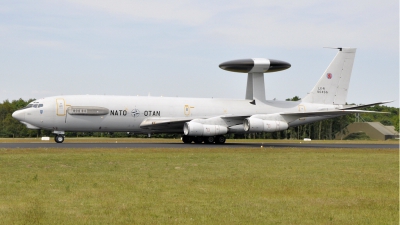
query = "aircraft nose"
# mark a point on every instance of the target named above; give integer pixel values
(19, 115)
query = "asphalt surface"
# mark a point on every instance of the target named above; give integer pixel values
(182, 145)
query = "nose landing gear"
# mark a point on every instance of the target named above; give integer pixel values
(59, 138)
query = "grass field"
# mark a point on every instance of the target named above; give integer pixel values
(199, 186)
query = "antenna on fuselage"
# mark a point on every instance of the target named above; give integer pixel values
(255, 68)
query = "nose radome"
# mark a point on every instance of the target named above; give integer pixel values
(19, 115)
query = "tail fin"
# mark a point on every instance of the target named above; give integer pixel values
(333, 85)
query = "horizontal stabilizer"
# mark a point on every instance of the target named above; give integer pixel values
(327, 113)
(368, 105)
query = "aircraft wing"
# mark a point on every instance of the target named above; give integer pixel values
(232, 120)
(163, 123)
(176, 124)
(173, 123)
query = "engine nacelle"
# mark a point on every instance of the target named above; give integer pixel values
(198, 129)
(259, 125)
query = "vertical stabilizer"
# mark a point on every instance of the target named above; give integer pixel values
(332, 87)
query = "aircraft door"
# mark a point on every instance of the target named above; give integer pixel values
(60, 107)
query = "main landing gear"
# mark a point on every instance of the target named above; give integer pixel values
(207, 140)
(59, 138)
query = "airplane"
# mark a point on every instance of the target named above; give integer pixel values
(201, 120)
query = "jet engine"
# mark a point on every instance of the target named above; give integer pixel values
(198, 129)
(259, 125)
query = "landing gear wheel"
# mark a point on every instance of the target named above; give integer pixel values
(220, 140)
(209, 140)
(186, 139)
(198, 140)
(59, 138)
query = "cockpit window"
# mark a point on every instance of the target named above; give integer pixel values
(33, 105)
(28, 106)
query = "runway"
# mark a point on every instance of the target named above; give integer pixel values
(181, 145)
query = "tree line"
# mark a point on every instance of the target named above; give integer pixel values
(322, 130)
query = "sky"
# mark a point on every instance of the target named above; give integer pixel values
(173, 48)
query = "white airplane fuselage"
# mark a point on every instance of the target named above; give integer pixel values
(127, 113)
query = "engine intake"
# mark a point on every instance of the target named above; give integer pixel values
(259, 125)
(198, 129)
